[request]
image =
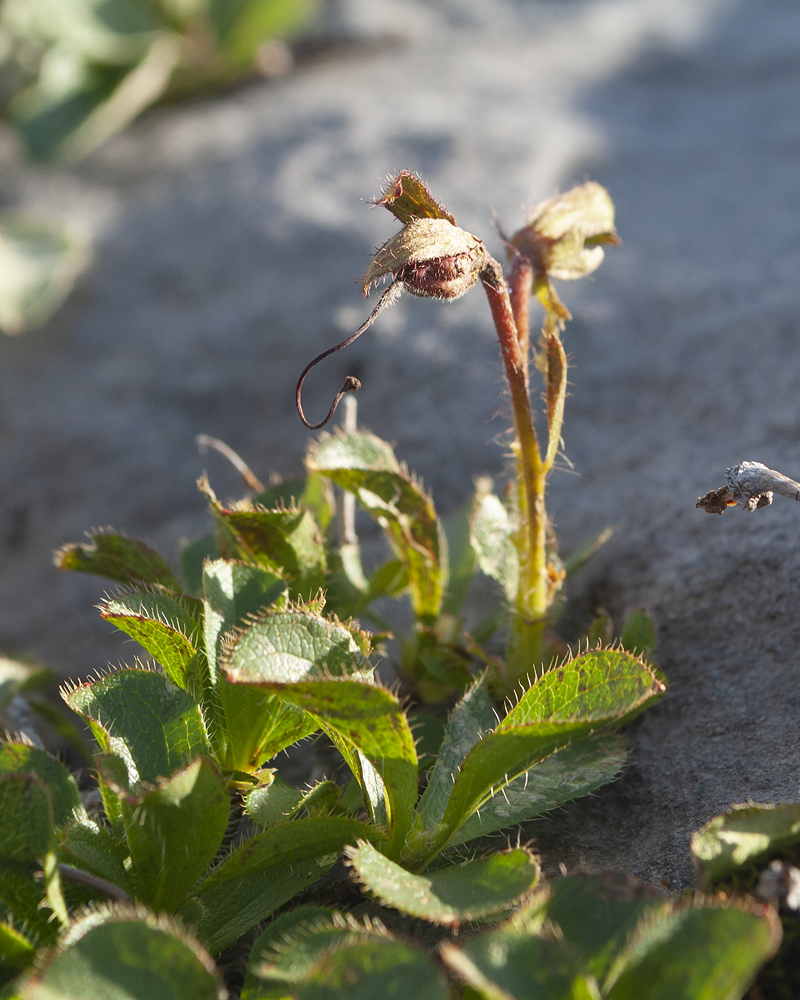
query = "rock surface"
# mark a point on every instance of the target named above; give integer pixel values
(230, 233)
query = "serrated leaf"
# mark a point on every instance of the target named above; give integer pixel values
(451, 896)
(121, 955)
(281, 646)
(408, 198)
(491, 533)
(88, 845)
(703, 952)
(374, 968)
(599, 689)
(282, 953)
(21, 758)
(117, 558)
(470, 720)
(144, 719)
(744, 834)
(364, 465)
(164, 627)
(638, 633)
(26, 829)
(370, 720)
(267, 871)
(174, 832)
(575, 770)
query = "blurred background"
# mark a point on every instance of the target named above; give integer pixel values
(185, 190)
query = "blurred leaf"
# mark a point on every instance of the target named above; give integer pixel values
(193, 557)
(26, 829)
(267, 871)
(174, 832)
(39, 262)
(491, 536)
(364, 465)
(117, 558)
(700, 953)
(584, 552)
(16, 953)
(86, 844)
(743, 834)
(242, 25)
(451, 896)
(116, 954)
(20, 758)
(163, 626)
(288, 946)
(462, 561)
(154, 727)
(577, 769)
(638, 633)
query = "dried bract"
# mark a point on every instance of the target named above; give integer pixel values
(750, 484)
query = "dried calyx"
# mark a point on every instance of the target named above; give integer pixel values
(430, 257)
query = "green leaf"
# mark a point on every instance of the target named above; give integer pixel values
(638, 633)
(267, 871)
(286, 541)
(21, 758)
(117, 558)
(491, 534)
(364, 465)
(26, 830)
(743, 834)
(39, 262)
(370, 720)
(88, 845)
(233, 592)
(575, 770)
(596, 690)
(174, 832)
(469, 721)
(243, 25)
(598, 914)
(143, 718)
(163, 626)
(194, 556)
(510, 964)
(706, 952)
(281, 646)
(462, 561)
(450, 896)
(116, 954)
(408, 198)
(279, 801)
(374, 968)
(16, 953)
(281, 953)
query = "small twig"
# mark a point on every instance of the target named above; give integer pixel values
(392, 294)
(81, 877)
(251, 479)
(750, 484)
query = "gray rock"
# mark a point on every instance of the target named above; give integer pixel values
(229, 237)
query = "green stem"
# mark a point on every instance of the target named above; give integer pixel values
(526, 645)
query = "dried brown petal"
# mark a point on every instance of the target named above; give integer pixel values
(431, 258)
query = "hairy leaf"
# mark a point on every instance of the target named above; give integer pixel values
(144, 719)
(88, 845)
(122, 955)
(163, 626)
(408, 198)
(743, 834)
(491, 536)
(21, 758)
(267, 871)
(450, 896)
(364, 465)
(117, 558)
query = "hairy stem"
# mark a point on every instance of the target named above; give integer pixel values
(526, 644)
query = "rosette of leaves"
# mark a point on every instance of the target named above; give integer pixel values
(81, 70)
